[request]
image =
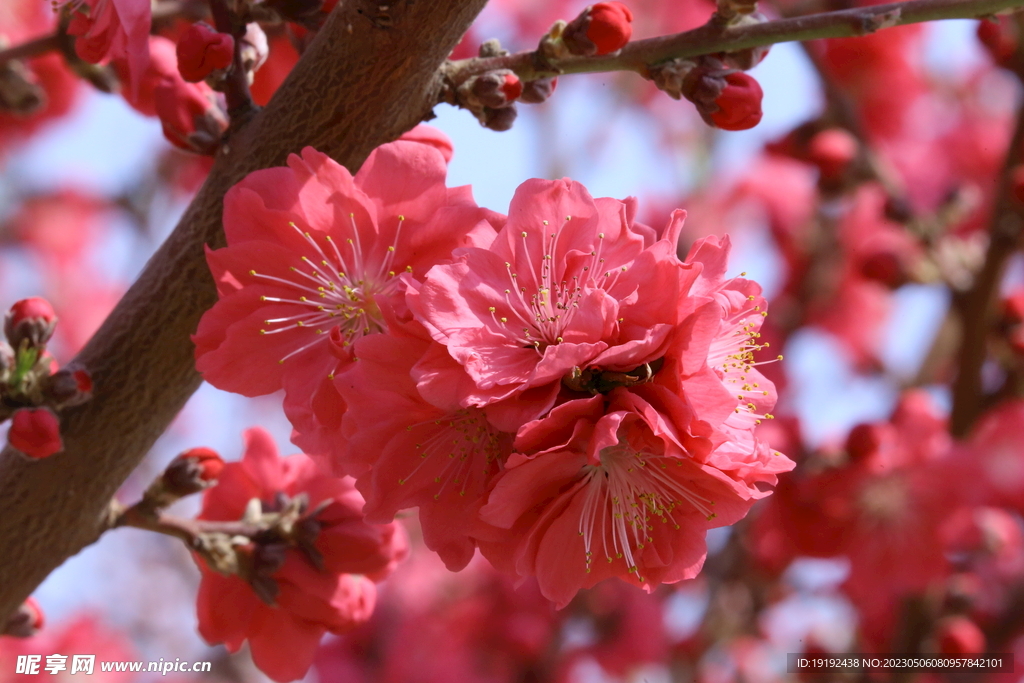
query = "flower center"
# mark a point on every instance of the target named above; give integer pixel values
(456, 444)
(547, 310)
(338, 294)
(624, 495)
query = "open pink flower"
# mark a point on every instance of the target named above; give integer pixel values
(616, 494)
(318, 258)
(110, 29)
(309, 601)
(410, 453)
(569, 282)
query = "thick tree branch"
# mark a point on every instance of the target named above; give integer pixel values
(368, 76)
(713, 37)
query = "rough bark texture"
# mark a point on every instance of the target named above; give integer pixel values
(368, 77)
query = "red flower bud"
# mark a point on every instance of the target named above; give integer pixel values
(191, 115)
(512, 87)
(832, 151)
(1013, 307)
(35, 432)
(69, 387)
(739, 104)
(30, 319)
(192, 471)
(494, 89)
(609, 26)
(202, 50)
(599, 30)
(498, 119)
(26, 622)
(999, 39)
(867, 440)
(83, 380)
(1013, 317)
(38, 619)
(959, 636)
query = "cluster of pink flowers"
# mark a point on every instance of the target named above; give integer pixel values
(324, 583)
(555, 388)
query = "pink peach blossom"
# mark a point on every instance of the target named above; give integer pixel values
(318, 258)
(309, 601)
(111, 29)
(613, 493)
(411, 453)
(569, 282)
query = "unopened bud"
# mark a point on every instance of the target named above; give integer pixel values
(191, 472)
(599, 29)
(26, 622)
(35, 432)
(1013, 307)
(494, 89)
(538, 90)
(191, 115)
(1000, 38)
(832, 151)
(69, 387)
(202, 50)
(959, 635)
(737, 106)
(671, 76)
(30, 321)
(867, 440)
(498, 119)
(1013, 319)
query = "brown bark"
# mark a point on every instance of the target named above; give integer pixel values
(368, 77)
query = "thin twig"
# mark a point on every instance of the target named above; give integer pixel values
(33, 48)
(188, 530)
(711, 38)
(236, 90)
(976, 305)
